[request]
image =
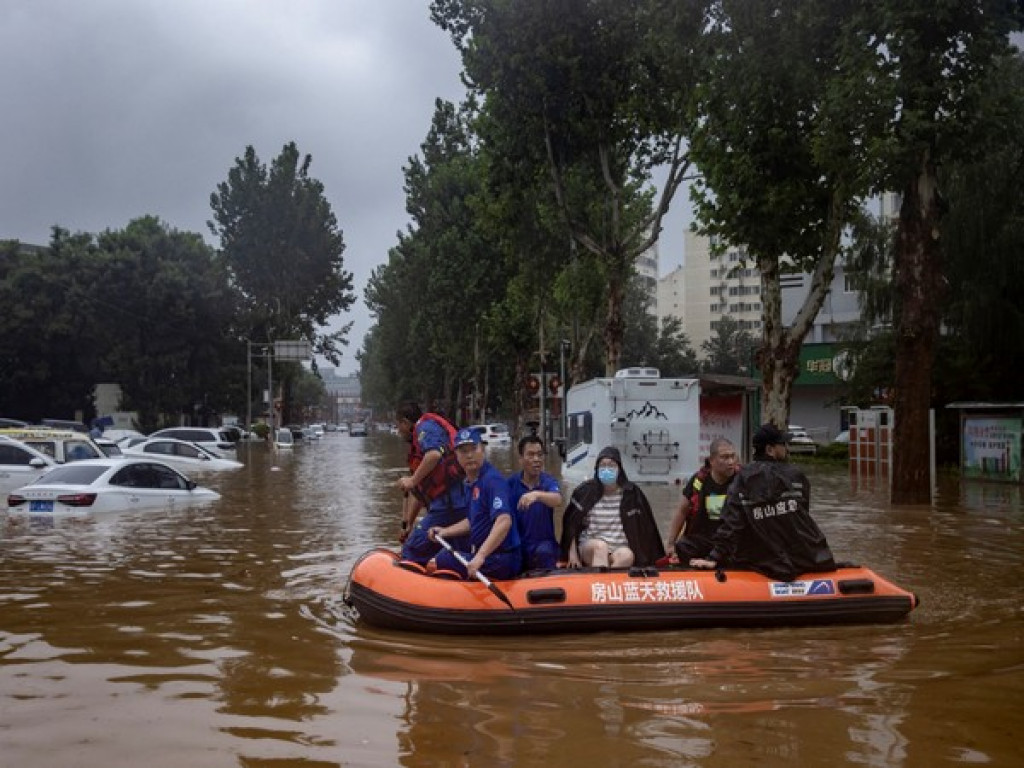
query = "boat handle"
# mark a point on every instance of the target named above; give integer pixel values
(542, 596)
(856, 586)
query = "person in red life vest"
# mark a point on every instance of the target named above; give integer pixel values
(700, 511)
(435, 482)
(495, 550)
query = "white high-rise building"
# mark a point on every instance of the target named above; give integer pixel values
(646, 267)
(709, 287)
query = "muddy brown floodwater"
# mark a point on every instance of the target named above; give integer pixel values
(217, 637)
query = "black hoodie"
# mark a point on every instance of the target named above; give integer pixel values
(638, 521)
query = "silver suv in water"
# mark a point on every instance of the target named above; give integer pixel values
(215, 440)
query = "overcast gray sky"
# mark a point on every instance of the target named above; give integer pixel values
(115, 109)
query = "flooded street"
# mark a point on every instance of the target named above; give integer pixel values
(217, 637)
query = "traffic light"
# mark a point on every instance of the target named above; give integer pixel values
(551, 381)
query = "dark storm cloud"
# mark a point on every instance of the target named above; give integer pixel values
(115, 109)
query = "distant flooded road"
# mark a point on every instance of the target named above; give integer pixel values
(217, 637)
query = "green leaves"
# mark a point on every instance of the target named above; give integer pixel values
(283, 249)
(146, 306)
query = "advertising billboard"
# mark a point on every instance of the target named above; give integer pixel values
(991, 448)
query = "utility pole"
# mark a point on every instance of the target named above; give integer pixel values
(543, 385)
(563, 345)
(270, 393)
(248, 386)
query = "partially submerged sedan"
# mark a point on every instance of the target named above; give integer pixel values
(799, 441)
(96, 486)
(182, 455)
(494, 434)
(20, 465)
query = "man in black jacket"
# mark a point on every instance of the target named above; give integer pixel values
(766, 522)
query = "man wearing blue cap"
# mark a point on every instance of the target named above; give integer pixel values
(495, 540)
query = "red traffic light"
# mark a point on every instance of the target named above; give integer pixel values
(532, 384)
(554, 385)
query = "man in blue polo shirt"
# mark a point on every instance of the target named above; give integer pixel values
(490, 526)
(534, 495)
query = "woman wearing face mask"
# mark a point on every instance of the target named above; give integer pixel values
(608, 521)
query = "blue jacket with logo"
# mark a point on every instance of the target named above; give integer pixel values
(488, 500)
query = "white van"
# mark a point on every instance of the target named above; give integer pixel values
(61, 445)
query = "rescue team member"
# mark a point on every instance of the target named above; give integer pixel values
(766, 521)
(435, 482)
(534, 495)
(495, 548)
(700, 511)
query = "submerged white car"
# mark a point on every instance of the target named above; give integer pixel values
(284, 439)
(800, 441)
(94, 486)
(20, 465)
(61, 445)
(493, 434)
(182, 455)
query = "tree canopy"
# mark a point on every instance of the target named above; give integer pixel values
(135, 306)
(283, 249)
(573, 92)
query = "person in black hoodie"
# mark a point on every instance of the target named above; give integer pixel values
(766, 521)
(608, 521)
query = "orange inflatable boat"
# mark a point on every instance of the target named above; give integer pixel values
(392, 594)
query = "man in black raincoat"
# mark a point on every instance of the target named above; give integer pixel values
(766, 521)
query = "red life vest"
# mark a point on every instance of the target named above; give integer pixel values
(448, 470)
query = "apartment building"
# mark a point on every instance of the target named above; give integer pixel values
(708, 287)
(646, 267)
(711, 286)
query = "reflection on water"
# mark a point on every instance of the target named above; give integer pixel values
(217, 637)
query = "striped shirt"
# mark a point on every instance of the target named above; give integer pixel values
(605, 523)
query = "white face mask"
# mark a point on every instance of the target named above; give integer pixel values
(608, 475)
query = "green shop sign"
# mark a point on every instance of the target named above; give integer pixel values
(820, 364)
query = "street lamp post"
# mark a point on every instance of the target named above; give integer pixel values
(270, 394)
(248, 385)
(565, 344)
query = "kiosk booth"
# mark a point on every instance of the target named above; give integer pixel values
(871, 433)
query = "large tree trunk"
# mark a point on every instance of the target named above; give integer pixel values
(521, 401)
(920, 287)
(779, 369)
(614, 328)
(778, 355)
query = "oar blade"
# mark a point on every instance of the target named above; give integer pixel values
(500, 595)
(495, 590)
